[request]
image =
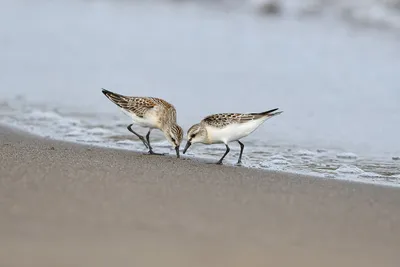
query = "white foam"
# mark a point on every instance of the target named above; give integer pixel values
(329, 175)
(98, 131)
(278, 157)
(74, 133)
(305, 152)
(40, 115)
(126, 142)
(279, 162)
(264, 164)
(349, 169)
(346, 155)
(370, 175)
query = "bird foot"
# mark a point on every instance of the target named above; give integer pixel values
(151, 152)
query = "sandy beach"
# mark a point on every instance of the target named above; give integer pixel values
(64, 204)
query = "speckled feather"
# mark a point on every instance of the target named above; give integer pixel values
(223, 119)
(141, 105)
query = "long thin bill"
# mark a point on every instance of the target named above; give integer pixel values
(188, 144)
(177, 151)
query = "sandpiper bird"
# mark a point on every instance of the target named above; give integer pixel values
(152, 113)
(225, 128)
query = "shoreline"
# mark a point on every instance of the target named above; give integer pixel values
(207, 160)
(80, 205)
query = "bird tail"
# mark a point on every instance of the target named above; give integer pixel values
(269, 113)
(119, 100)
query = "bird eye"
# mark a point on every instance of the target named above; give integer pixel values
(193, 135)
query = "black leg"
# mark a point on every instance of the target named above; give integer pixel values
(138, 135)
(226, 153)
(241, 152)
(151, 152)
(148, 139)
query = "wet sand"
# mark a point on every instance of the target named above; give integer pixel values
(64, 204)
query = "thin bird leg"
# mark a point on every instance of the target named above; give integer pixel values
(226, 153)
(138, 135)
(148, 139)
(241, 152)
(151, 152)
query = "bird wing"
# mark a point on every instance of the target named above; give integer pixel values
(223, 119)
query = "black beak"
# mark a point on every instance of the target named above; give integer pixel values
(188, 144)
(177, 151)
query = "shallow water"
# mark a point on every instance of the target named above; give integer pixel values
(337, 84)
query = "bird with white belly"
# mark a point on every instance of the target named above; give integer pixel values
(151, 113)
(227, 127)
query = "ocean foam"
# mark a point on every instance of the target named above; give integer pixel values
(305, 153)
(346, 155)
(370, 175)
(349, 169)
(279, 162)
(98, 131)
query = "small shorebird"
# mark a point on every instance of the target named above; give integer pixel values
(225, 128)
(152, 113)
